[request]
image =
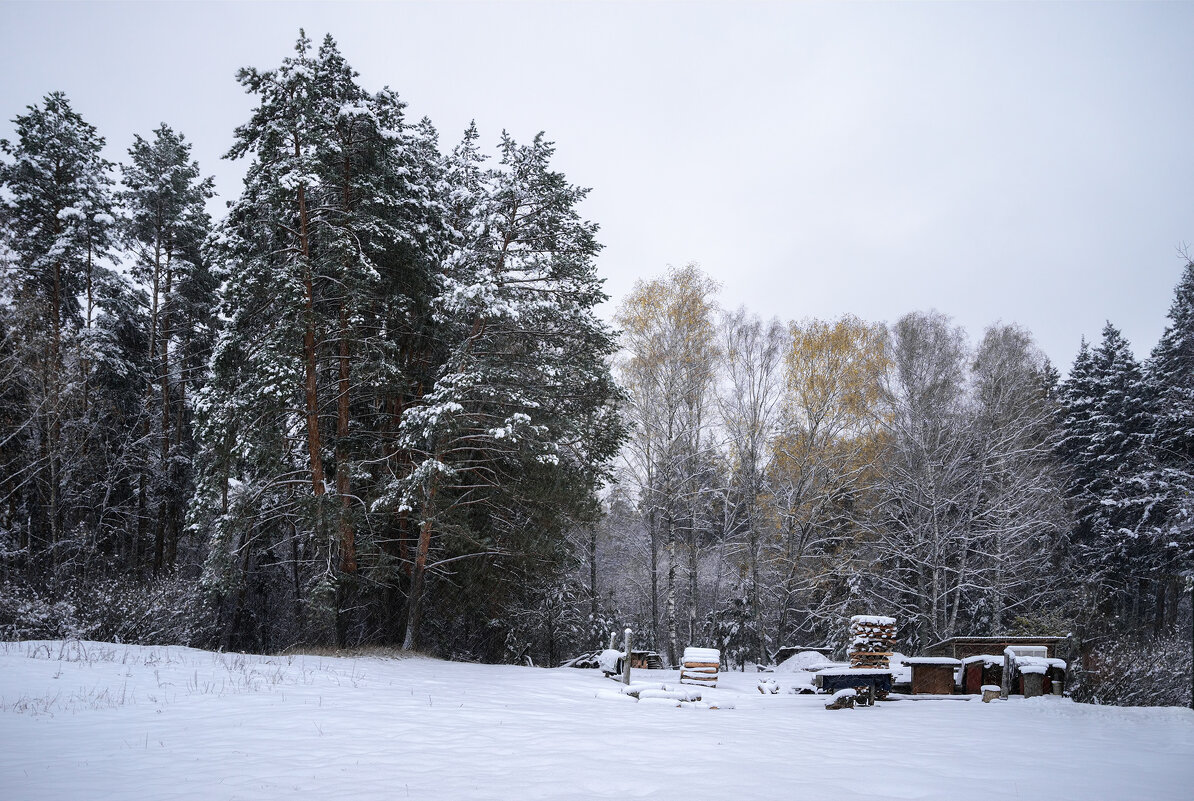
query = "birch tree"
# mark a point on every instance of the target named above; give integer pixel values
(670, 350)
(753, 355)
(924, 550)
(821, 462)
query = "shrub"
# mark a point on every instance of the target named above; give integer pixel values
(1131, 671)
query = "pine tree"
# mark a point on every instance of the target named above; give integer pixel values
(59, 223)
(326, 253)
(166, 228)
(519, 420)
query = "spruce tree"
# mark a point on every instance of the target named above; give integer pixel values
(1169, 485)
(1105, 444)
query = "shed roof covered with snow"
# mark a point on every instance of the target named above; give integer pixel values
(962, 647)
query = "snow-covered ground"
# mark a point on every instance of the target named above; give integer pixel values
(95, 720)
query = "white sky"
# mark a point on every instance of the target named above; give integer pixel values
(1015, 162)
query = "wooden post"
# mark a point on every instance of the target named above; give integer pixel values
(626, 660)
(613, 640)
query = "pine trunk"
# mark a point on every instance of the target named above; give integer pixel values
(415, 601)
(756, 609)
(348, 555)
(55, 377)
(1159, 610)
(311, 384)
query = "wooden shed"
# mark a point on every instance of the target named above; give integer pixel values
(646, 660)
(933, 675)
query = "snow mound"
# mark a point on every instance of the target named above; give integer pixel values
(611, 695)
(608, 659)
(801, 661)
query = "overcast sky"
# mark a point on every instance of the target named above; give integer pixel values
(1028, 163)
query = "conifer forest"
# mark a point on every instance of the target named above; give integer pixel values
(375, 404)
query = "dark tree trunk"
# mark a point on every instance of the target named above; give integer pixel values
(593, 573)
(1159, 609)
(348, 553)
(311, 384)
(415, 602)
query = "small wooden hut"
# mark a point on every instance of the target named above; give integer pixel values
(933, 675)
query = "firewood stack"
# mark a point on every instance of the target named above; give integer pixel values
(872, 641)
(700, 666)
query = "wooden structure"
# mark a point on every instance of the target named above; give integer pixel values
(933, 675)
(700, 666)
(1032, 683)
(870, 683)
(626, 657)
(646, 660)
(962, 647)
(872, 641)
(843, 699)
(979, 670)
(1032, 674)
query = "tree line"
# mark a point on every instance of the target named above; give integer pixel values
(361, 408)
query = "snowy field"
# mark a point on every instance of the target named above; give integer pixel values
(96, 721)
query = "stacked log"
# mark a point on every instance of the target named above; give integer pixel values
(700, 666)
(843, 699)
(872, 641)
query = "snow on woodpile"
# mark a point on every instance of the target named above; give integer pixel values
(872, 641)
(1038, 661)
(872, 620)
(702, 655)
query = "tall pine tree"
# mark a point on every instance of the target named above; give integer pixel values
(71, 315)
(166, 229)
